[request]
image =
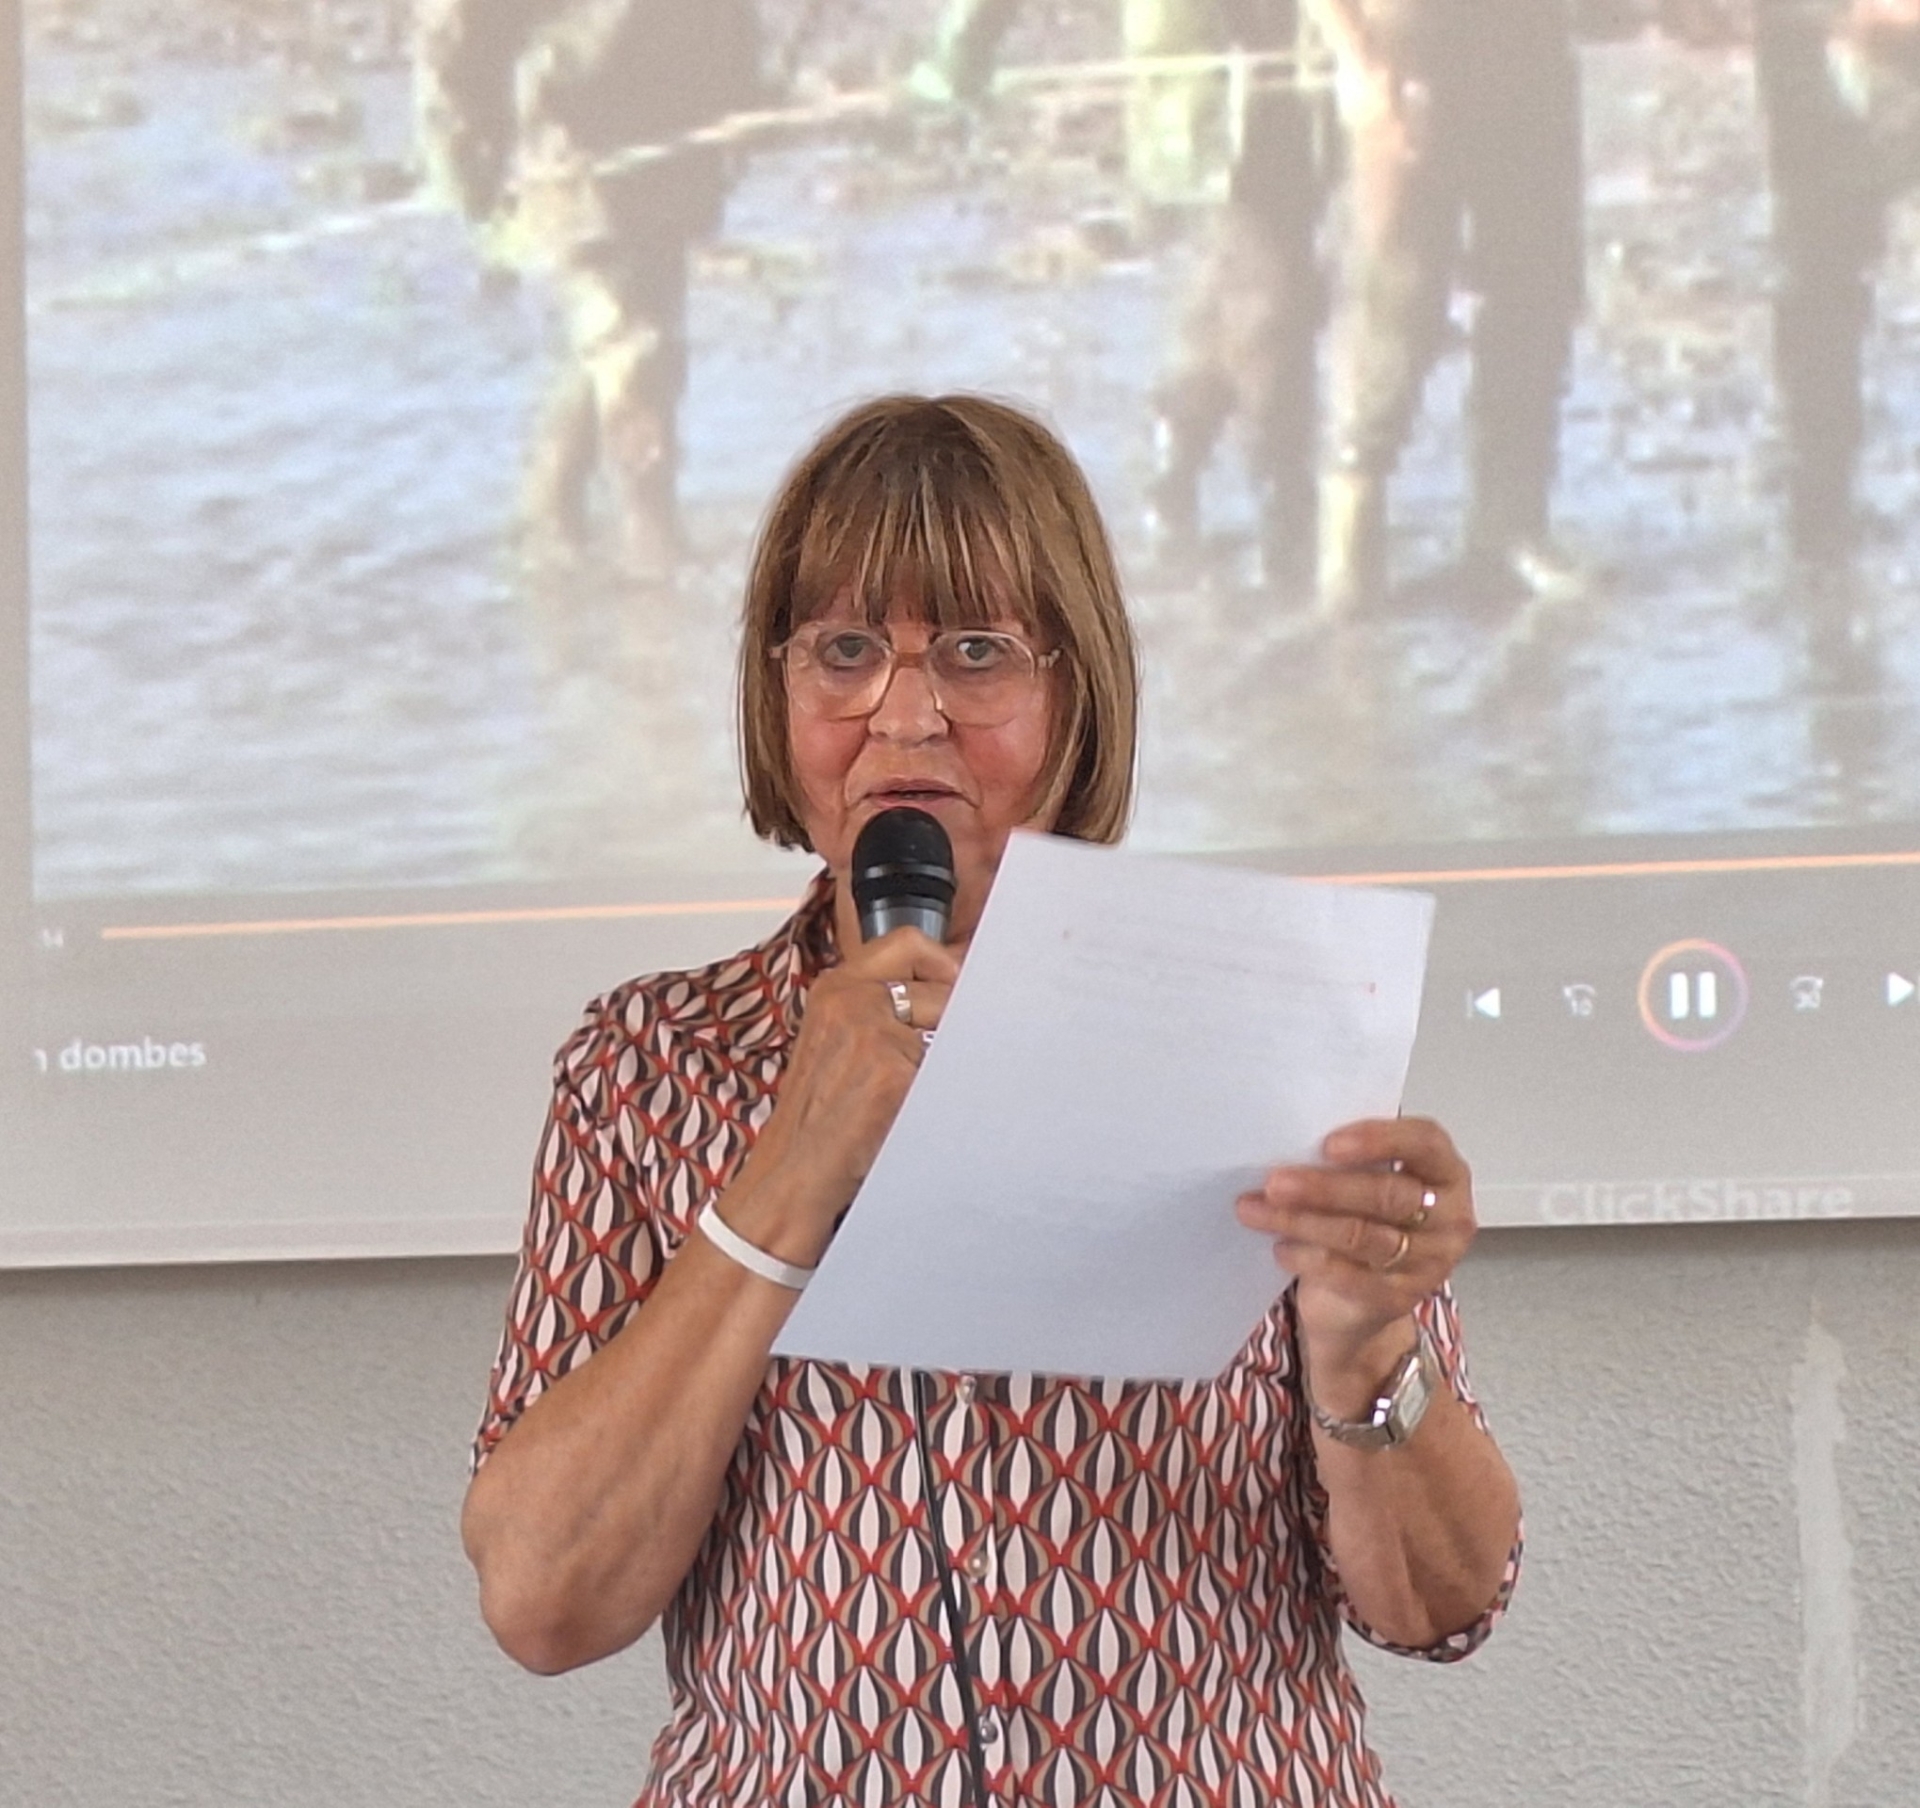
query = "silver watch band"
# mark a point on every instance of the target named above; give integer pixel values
(1397, 1409)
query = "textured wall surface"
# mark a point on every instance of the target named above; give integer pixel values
(230, 1577)
(1723, 1508)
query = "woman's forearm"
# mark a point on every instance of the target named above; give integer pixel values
(588, 1514)
(1420, 1533)
(590, 1511)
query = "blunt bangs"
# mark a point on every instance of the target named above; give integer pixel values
(930, 533)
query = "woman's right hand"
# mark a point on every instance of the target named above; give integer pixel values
(845, 1082)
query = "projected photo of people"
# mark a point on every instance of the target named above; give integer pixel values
(1505, 407)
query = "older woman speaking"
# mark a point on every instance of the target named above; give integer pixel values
(881, 1588)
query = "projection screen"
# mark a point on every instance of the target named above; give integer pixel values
(399, 391)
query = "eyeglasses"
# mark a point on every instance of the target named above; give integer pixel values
(979, 677)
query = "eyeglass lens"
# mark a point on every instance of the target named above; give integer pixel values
(979, 677)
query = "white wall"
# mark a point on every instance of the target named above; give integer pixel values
(229, 1571)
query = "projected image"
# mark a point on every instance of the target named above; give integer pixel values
(1479, 408)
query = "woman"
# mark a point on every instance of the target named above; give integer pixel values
(1148, 1579)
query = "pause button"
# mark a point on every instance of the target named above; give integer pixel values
(1693, 995)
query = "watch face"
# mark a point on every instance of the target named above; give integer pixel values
(1411, 1397)
(1399, 1409)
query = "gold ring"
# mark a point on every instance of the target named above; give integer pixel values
(1399, 1255)
(902, 1002)
(1423, 1211)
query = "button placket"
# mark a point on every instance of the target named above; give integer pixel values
(982, 1569)
(965, 1440)
(979, 1564)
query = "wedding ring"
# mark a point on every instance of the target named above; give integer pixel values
(1399, 1255)
(902, 1003)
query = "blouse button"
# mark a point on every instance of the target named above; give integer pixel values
(966, 1389)
(988, 1727)
(977, 1564)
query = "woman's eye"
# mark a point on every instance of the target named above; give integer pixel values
(978, 652)
(847, 652)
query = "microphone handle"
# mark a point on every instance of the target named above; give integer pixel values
(884, 915)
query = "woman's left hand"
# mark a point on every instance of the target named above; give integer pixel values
(1420, 1537)
(1369, 1235)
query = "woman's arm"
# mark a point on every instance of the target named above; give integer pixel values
(1420, 1533)
(589, 1512)
(584, 1519)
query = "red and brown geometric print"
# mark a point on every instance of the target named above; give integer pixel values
(1151, 1612)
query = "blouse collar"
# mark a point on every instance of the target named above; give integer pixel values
(803, 948)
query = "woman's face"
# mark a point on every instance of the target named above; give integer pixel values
(980, 783)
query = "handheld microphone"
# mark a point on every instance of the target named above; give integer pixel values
(903, 877)
(903, 874)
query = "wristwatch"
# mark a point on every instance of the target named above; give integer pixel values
(1397, 1411)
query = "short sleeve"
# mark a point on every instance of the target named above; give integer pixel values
(1441, 1320)
(593, 1247)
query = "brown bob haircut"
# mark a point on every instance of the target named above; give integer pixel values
(966, 511)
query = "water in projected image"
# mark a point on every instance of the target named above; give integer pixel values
(298, 621)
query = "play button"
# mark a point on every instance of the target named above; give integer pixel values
(1484, 1004)
(1900, 989)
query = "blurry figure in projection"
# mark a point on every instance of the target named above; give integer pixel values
(1840, 87)
(1246, 345)
(1177, 122)
(530, 115)
(1704, 24)
(1463, 141)
(1247, 153)
(966, 45)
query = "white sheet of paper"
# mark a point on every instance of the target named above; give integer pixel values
(1134, 1041)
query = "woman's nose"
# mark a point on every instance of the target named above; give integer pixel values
(908, 709)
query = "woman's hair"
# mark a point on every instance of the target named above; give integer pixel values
(965, 511)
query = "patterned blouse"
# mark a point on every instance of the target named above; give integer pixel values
(1149, 1604)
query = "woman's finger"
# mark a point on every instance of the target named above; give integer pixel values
(916, 1004)
(1371, 1243)
(1417, 1144)
(903, 954)
(1380, 1195)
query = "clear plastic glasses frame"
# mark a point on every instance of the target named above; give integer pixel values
(980, 677)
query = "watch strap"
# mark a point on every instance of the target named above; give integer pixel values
(1398, 1408)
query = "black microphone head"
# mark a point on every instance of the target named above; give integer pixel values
(903, 874)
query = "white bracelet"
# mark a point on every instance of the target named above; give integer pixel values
(750, 1256)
